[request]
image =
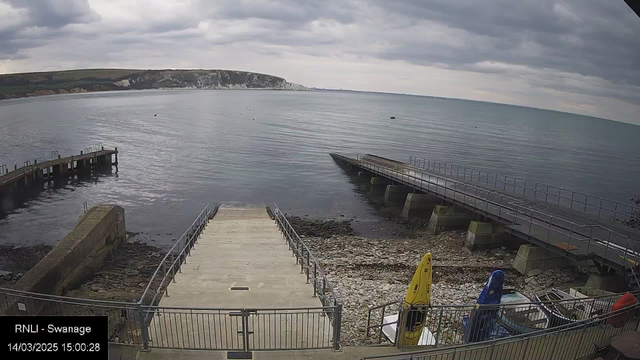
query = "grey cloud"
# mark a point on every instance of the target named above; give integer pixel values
(50, 14)
(539, 40)
(55, 13)
(607, 43)
(291, 12)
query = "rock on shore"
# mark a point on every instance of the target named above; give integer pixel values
(369, 272)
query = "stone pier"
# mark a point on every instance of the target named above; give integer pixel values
(611, 282)
(379, 184)
(446, 218)
(531, 257)
(419, 204)
(486, 235)
(75, 258)
(395, 194)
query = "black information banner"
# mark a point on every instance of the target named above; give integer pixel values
(43, 337)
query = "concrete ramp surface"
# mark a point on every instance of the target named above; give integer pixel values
(242, 262)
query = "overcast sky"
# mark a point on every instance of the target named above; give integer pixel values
(578, 56)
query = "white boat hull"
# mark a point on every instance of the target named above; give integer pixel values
(389, 330)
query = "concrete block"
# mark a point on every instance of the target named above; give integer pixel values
(532, 257)
(480, 227)
(419, 204)
(611, 283)
(449, 218)
(97, 234)
(396, 193)
(486, 235)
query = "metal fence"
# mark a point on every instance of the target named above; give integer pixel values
(546, 230)
(243, 330)
(172, 261)
(572, 341)
(192, 328)
(322, 287)
(448, 325)
(586, 203)
(124, 322)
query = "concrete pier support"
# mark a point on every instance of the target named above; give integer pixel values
(363, 180)
(531, 257)
(395, 194)
(58, 170)
(104, 160)
(611, 283)
(379, 184)
(450, 218)
(419, 205)
(486, 235)
(365, 176)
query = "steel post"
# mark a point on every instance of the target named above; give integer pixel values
(337, 327)
(143, 329)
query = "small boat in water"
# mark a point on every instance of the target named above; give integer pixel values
(520, 315)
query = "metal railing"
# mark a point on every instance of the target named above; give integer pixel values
(243, 330)
(191, 328)
(322, 287)
(633, 263)
(124, 322)
(576, 240)
(586, 203)
(571, 341)
(172, 261)
(454, 324)
(233, 329)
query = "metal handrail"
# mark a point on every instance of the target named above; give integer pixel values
(538, 187)
(63, 299)
(183, 248)
(506, 213)
(151, 307)
(601, 298)
(302, 252)
(634, 266)
(299, 248)
(479, 346)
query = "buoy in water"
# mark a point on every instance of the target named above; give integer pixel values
(392, 117)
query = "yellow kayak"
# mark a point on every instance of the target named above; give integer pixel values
(419, 293)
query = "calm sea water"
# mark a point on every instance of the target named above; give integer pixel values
(272, 146)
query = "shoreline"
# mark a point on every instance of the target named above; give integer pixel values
(367, 272)
(123, 277)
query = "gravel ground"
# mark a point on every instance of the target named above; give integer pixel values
(368, 272)
(16, 261)
(125, 274)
